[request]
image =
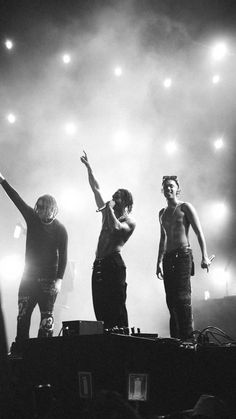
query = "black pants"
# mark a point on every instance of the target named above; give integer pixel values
(177, 269)
(109, 291)
(34, 291)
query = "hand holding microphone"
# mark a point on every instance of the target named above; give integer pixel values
(206, 263)
(111, 204)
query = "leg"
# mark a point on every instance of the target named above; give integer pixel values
(46, 300)
(26, 303)
(177, 272)
(182, 298)
(109, 291)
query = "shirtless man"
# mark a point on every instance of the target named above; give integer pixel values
(175, 256)
(109, 271)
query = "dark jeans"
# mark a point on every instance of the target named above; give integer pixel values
(34, 291)
(109, 291)
(177, 270)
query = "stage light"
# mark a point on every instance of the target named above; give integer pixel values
(215, 79)
(11, 118)
(206, 295)
(171, 147)
(66, 58)
(221, 279)
(9, 44)
(118, 71)
(121, 140)
(218, 144)
(218, 212)
(219, 51)
(70, 128)
(167, 83)
(11, 267)
(17, 231)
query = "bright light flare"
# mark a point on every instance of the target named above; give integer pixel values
(9, 44)
(206, 295)
(221, 279)
(17, 231)
(118, 71)
(167, 83)
(121, 140)
(11, 118)
(66, 58)
(216, 79)
(218, 143)
(11, 267)
(171, 147)
(218, 212)
(219, 51)
(70, 128)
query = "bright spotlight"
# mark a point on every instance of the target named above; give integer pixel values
(17, 231)
(218, 212)
(221, 279)
(66, 58)
(215, 79)
(8, 44)
(121, 140)
(218, 144)
(206, 295)
(118, 71)
(11, 267)
(70, 128)
(219, 51)
(11, 118)
(167, 83)
(171, 147)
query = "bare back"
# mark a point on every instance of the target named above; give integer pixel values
(175, 225)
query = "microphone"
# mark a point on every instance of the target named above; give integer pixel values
(103, 207)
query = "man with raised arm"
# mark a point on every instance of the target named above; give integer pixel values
(175, 261)
(109, 270)
(45, 263)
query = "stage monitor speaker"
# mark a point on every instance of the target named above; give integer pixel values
(82, 327)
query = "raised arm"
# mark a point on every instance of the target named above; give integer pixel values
(161, 249)
(193, 218)
(93, 182)
(15, 197)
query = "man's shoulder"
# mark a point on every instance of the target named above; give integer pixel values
(58, 224)
(128, 219)
(185, 206)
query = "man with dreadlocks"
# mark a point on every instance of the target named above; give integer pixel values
(109, 270)
(175, 260)
(45, 263)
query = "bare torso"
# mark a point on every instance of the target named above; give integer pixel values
(111, 241)
(176, 226)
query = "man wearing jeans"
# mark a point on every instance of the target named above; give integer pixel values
(175, 260)
(109, 270)
(45, 263)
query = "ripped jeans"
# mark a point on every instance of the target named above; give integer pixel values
(33, 291)
(178, 267)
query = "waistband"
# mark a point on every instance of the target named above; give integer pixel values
(111, 255)
(179, 250)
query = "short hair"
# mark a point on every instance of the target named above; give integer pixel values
(50, 202)
(127, 199)
(171, 177)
